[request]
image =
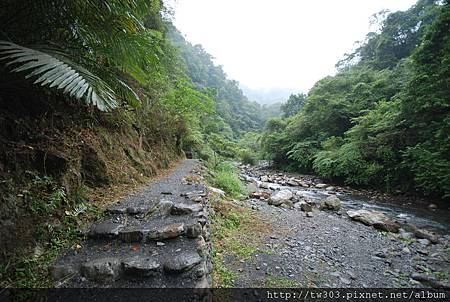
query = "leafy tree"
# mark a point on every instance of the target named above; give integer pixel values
(293, 104)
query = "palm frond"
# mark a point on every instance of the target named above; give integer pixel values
(60, 73)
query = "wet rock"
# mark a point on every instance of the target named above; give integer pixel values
(105, 229)
(264, 178)
(63, 271)
(280, 197)
(432, 206)
(134, 234)
(332, 203)
(183, 209)
(182, 263)
(425, 234)
(102, 269)
(330, 188)
(194, 230)
(263, 185)
(292, 183)
(138, 266)
(274, 187)
(166, 232)
(387, 225)
(321, 186)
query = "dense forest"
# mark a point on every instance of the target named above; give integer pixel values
(384, 119)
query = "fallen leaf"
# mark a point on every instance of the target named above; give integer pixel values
(135, 247)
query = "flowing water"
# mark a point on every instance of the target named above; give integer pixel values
(418, 215)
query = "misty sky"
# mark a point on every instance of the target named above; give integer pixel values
(278, 43)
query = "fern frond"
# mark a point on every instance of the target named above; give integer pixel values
(59, 72)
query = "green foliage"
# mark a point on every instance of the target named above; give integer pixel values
(61, 73)
(225, 177)
(293, 104)
(383, 120)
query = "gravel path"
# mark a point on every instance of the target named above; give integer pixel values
(155, 238)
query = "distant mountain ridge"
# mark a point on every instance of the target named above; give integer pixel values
(267, 96)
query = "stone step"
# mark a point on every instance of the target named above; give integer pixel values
(153, 231)
(117, 264)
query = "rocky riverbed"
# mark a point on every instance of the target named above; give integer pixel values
(329, 236)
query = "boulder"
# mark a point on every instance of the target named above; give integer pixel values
(425, 234)
(264, 185)
(280, 197)
(292, 183)
(387, 225)
(367, 217)
(264, 178)
(332, 203)
(274, 187)
(374, 218)
(321, 186)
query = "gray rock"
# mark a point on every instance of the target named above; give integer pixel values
(321, 186)
(166, 232)
(182, 263)
(183, 209)
(332, 203)
(138, 209)
(194, 230)
(102, 269)
(306, 207)
(133, 234)
(366, 216)
(139, 266)
(309, 214)
(406, 250)
(162, 209)
(292, 183)
(105, 229)
(264, 178)
(116, 209)
(63, 271)
(425, 234)
(274, 187)
(264, 185)
(280, 197)
(424, 241)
